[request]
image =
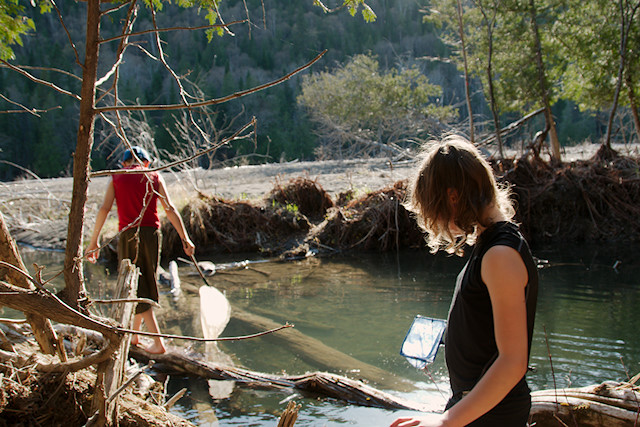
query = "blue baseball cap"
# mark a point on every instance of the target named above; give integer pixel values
(141, 153)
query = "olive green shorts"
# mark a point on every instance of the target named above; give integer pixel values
(142, 246)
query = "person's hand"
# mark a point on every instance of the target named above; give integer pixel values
(424, 420)
(92, 252)
(188, 246)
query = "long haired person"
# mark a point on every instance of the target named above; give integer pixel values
(457, 202)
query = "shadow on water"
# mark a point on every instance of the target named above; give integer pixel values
(362, 305)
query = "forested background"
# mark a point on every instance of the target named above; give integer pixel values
(284, 34)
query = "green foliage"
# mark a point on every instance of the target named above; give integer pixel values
(360, 97)
(13, 25)
(353, 5)
(587, 34)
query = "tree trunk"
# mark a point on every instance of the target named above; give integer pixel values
(633, 105)
(73, 271)
(544, 87)
(466, 72)
(616, 95)
(492, 96)
(41, 326)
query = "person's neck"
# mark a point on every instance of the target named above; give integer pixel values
(491, 215)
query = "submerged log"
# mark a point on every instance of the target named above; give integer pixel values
(609, 404)
(319, 354)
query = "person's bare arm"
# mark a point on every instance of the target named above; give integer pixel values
(174, 218)
(93, 249)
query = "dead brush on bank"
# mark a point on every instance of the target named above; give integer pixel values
(587, 200)
(30, 397)
(376, 221)
(234, 226)
(306, 194)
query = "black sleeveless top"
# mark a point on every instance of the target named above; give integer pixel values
(470, 343)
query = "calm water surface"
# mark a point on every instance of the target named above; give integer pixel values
(586, 325)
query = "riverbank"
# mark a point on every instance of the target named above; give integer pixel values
(36, 209)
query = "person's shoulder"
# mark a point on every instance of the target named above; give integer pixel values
(503, 264)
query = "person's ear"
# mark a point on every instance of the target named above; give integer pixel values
(453, 196)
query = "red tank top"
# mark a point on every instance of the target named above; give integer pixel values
(135, 193)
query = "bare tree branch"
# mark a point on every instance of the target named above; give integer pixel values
(56, 70)
(115, 9)
(25, 109)
(183, 92)
(131, 18)
(215, 101)
(233, 137)
(37, 80)
(51, 306)
(164, 30)
(64, 26)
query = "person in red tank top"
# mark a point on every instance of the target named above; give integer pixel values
(136, 196)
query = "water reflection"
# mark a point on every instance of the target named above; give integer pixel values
(362, 306)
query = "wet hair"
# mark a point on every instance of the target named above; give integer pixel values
(454, 164)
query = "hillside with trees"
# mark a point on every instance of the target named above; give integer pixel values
(279, 38)
(577, 73)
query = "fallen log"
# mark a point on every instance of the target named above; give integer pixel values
(608, 404)
(318, 383)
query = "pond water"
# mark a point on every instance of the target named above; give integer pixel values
(362, 306)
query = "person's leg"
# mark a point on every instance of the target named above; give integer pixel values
(149, 318)
(137, 323)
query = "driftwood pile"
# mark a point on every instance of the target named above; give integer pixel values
(377, 221)
(235, 226)
(608, 404)
(308, 196)
(590, 200)
(300, 213)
